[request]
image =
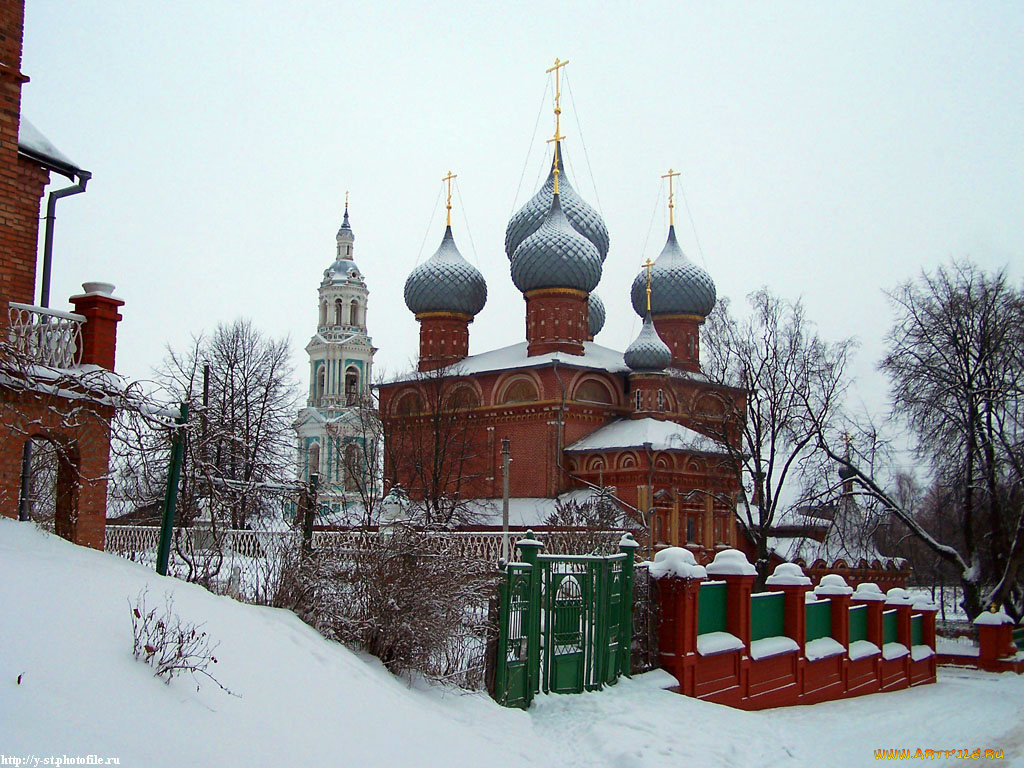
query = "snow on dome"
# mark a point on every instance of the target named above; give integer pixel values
(833, 584)
(648, 352)
(678, 286)
(731, 562)
(898, 596)
(993, 618)
(868, 591)
(788, 575)
(556, 256)
(676, 562)
(446, 282)
(595, 315)
(581, 216)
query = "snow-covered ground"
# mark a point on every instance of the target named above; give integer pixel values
(65, 629)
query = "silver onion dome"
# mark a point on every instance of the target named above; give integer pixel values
(678, 286)
(556, 256)
(583, 218)
(648, 352)
(595, 314)
(446, 282)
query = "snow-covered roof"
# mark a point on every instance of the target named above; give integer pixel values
(528, 511)
(635, 433)
(32, 143)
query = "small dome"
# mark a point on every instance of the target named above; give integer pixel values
(583, 218)
(847, 472)
(595, 314)
(678, 286)
(446, 282)
(648, 352)
(343, 270)
(556, 256)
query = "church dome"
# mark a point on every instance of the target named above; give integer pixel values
(595, 314)
(556, 256)
(343, 268)
(648, 352)
(678, 286)
(583, 218)
(446, 282)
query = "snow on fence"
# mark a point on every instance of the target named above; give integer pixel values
(792, 644)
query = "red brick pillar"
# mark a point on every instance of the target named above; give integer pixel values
(99, 332)
(995, 638)
(556, 321)
(834, 588)
(682, 335)
(732, 566)
(901, 600)
(678, 579)
(789, 579)
(871, 596)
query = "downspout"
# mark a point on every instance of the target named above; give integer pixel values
(51, 208)
(561, 419)
(24, 503)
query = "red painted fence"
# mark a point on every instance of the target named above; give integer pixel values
(892, 645)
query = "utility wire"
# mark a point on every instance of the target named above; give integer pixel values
(429, 224)
(693, 226)
(462, 207)
(586, 155)
(529, 149)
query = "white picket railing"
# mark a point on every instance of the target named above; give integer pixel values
(46, 336)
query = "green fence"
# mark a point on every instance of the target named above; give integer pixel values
(711, 609)
(858, 623)
(767, 615)
(916, 630)
(581, 606)
(819, 619)
(889, 627)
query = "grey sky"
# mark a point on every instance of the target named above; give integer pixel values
(827, 150)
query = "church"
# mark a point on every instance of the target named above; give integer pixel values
(644, 424)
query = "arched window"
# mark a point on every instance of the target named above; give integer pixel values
(353, 467)
(321, 381)
(339, 312)
(520, 391)
(661, 400)
(313, 460)
(323, 313)
(408, 403)
(463, 397)
(593, 391)
(354, 313)
(639, 399)
(351, 386)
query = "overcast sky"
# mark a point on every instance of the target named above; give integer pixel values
(827, 151)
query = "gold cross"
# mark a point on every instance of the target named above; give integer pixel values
(558, 95)
(671, 196)
(647, 265)
(448, 180)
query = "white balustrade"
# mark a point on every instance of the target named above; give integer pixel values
(46, 336)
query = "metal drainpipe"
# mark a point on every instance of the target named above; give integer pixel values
(25, 503)
(51, 209)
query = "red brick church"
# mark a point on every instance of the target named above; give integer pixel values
(644, 422)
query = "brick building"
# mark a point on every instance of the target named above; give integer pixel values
(55, 367)
(645, 423)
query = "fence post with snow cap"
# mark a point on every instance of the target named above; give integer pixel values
(834, 588)
(678, 579)
(790, 580)
(995, 638)
(732, 567)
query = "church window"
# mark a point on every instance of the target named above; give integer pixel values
(354, 313)
(313, 463)
(463, 397)
(661, 400)
(353, 468)
(321, 380)
(691, 529)
(408, 403)
(593, 391)
(339, 312)
(323, 313)
(520, 391)
(351, 386)
(639, 400)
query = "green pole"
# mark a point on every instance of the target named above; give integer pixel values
(163, 554)
(628, 547)
(529, 548)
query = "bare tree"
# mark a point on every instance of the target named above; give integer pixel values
(956, 364)
(582, 527)
(433, 448)
(363, 457)
(793, 380)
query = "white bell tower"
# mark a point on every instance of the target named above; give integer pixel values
(335, 430)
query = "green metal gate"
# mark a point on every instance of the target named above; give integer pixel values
(565, 622)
